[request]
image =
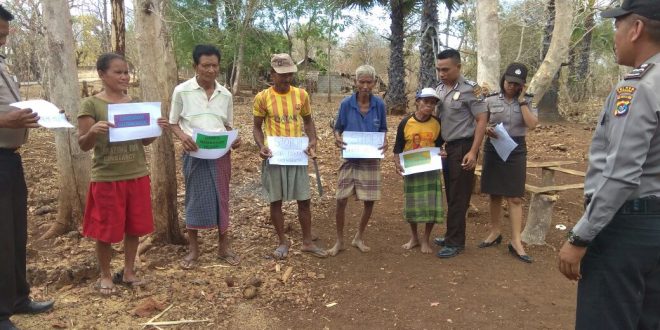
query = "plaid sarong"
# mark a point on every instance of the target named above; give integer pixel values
(207, 192)
(423, 198)
(360, 177)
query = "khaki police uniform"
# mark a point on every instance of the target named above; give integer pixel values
(620, 285)
(14, 289)
(457, 109)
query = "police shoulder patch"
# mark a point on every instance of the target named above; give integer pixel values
(471, 83)
(639, 72)
(624, 96)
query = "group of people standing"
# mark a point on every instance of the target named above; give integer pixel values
(614, 250)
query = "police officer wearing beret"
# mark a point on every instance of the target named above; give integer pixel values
(14, 124)
(505, 179)
(614, 249)
(463, 118)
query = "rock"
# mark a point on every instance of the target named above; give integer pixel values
(559, 147)
(200, 281)
(230, 281)
(255, 281)
(249, 292)
(74, 234)
(44, 210)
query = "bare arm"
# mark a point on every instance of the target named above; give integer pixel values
(88, 129)
(470, 159)
(528, 116)
(310, 130)
(258, 133)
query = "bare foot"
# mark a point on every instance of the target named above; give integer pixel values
(339, 246)
(314, 250)
(425, 247)
(189, 261)
(281, 252)
(230, 257)
(413, 243)
(105, 287)
(359, 243)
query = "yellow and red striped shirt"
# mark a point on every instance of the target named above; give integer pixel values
(282, 113)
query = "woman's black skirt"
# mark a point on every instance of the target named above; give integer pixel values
(502, 178)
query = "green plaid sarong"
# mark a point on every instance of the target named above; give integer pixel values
(423, 198)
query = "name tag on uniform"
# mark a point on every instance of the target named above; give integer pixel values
(456, 96)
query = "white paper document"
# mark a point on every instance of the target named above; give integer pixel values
(49, 114)
(420, 160)
(213, 145)
(504, 145)
(134, 121)
(288, 150)
(363, 144)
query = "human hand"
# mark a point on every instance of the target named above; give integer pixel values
(570, 257)
(20, 118)
(384, 147)
(265, 153)
(101, 127)
(490, 132)
(188, 143)
(311, 149)
(469, 161)
(163, 123)
(339, 142)
(443, 153)
(522, 97)
(397, 166)
(236, 143)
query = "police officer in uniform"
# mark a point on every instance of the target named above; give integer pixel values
(463, 117)
(614, 249)
(14, 289)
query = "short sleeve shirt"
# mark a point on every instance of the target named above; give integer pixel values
(9, 137)
(193, 109)
(413, 133)
(508, 113)
(349, 117)
(113, 161)
(282, 113)
(458, 107)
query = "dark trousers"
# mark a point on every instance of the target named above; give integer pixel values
(620, 285)
(458, 189)
(14, 289)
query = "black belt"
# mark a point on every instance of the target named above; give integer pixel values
(640, 206)
(7, 151)
(463, 140)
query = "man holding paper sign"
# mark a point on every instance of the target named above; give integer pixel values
(201, 107)
(284, 111)
(360, 112)
(422, 191)
(14, 125)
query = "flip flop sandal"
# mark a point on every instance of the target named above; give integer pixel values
(317, 252)
(99, 289)
(281, 252)
(232, 259)
(188, 264)
(118, 278)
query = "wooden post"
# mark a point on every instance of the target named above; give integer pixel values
(539, 217)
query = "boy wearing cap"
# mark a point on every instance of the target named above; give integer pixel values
(422, 191)
(284, 110)
(614, 249)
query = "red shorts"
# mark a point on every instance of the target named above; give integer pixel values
(117, 208)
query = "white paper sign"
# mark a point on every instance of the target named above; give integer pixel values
(212, 145)
(134, 121)
(288, 150)
(504, 145)
(49, 114)
(420, 160)
(363, 144)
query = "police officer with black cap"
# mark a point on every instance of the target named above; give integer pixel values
(614, 249)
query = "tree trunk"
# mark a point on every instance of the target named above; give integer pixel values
(562, 27)
(118, 27)
(238, 66)
(73, 164)
(330, 30)
(396, 100)
(488, 48)
(427, 77)
(580, 54)
(158, 77)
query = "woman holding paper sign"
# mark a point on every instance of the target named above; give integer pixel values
(422, 191)
(119, 198)
(506, 178)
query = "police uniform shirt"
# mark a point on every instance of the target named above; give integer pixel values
(509, 114)
(624, 157)
(10, 138)
(458, 106)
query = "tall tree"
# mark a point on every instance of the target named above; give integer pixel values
(73, 164)
(158, 77)
(428, 44)
(243, 14)
(118, 26)
(396, 98)
(488, 44)
(580, 54)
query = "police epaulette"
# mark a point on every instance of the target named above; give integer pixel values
(471, 83)
(493, 94)
(639, 72)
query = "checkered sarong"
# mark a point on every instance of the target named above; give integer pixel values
(360, 177)
(207, 192)
(423, 198)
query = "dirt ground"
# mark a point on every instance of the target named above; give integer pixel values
(387, 288)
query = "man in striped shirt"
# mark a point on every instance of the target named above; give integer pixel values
(284, 110)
